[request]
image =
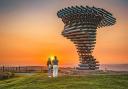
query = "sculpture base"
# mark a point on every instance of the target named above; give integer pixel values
(85, 72)
(88, 67)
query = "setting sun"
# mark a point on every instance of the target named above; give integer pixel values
(52, 57)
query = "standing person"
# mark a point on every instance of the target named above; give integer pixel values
(49, 65)
(55, 67)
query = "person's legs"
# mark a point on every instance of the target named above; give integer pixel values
(54, 70)
(57, 71)
(49, 72)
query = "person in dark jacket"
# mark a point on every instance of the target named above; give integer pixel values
(55, 67)
(49, 65)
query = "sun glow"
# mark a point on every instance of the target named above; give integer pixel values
(51, 57)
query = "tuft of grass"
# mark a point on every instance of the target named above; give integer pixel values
(41, 81)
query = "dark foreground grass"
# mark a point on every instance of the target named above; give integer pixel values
(41, 81)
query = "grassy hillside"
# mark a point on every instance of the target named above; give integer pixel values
(41, 81)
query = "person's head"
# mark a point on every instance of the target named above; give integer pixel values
(55, 57)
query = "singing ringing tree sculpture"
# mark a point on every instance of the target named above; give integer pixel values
(80, 27)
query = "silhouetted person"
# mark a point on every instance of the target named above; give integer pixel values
(55, 67)
(49, 65)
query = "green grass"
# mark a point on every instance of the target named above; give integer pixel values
(41, 81)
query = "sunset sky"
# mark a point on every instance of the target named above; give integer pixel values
(30, 32)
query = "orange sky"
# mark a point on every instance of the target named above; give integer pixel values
(30, 32)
